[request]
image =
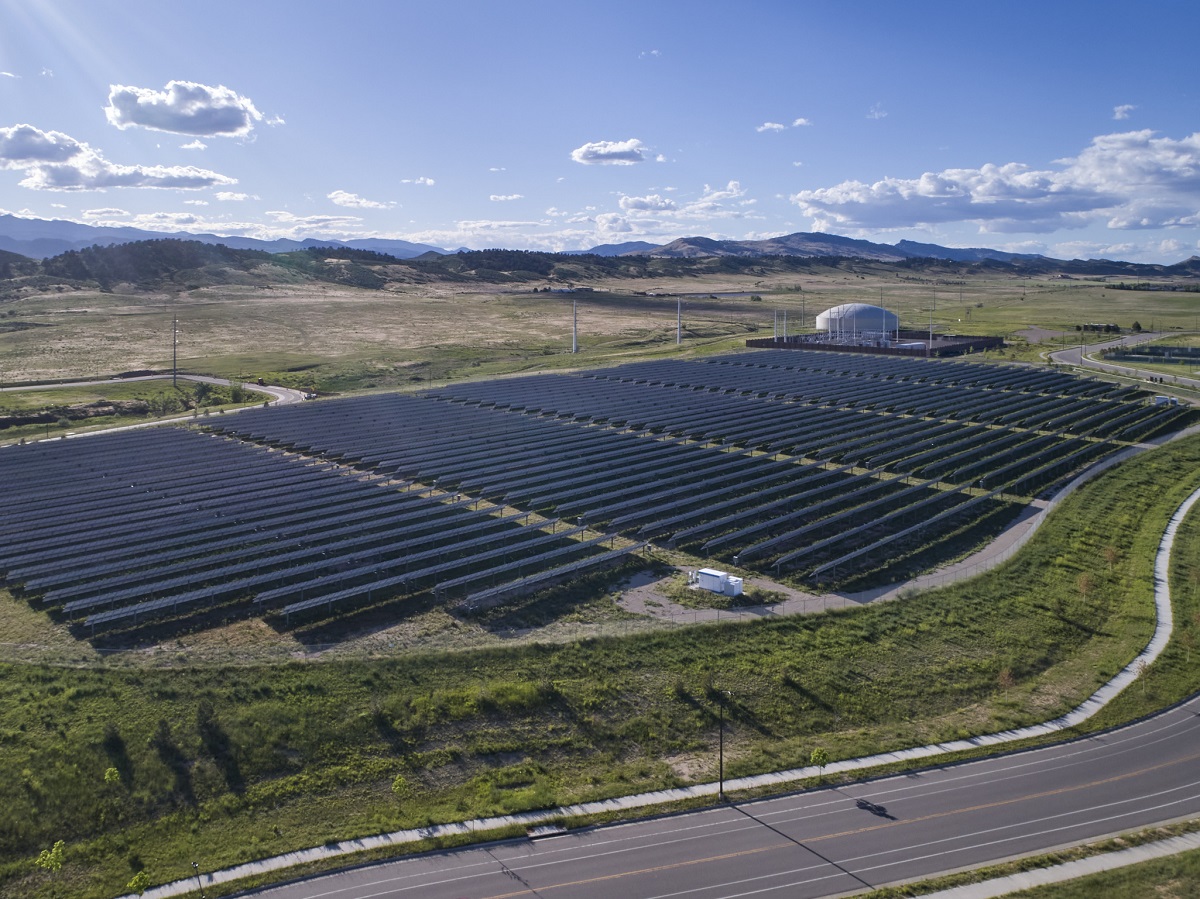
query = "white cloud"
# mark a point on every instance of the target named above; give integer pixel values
(503, 198)
(9, 75)
(229, 196)
(653, 202)
(770, 126)
(612, 224)
(801, 122)
(89, 170)
(427, 182)
(315, 224)
(354, 201)
(183, 107)
(23, 146)
(877, 112)
(609, 152)
(1132, 180)
(194, 145)
(497, 168)
(47, 73)
(1122, 112)
(55, 161)
(195, 202)
(106, 213)
(649, 53)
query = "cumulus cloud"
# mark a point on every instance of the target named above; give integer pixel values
(89, 170)
(23, 146)
(323, 224)
(182, 107)
(877, 112)
(503, 198)
(612, 224)
(195, 202)
(611, 152)
(1122, 112)
(770, 126)
(652, 202)
(105, 213)
(427, 182)
(56, 161)
(194, 145)
(800, 122)
(230, 196)
(354, 201)
(1132, 180)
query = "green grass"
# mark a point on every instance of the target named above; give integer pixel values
(63, 408)
(225, 764)
(1174, 877)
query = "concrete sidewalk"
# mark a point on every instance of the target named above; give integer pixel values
(1107, 861)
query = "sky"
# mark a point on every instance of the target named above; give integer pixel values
(1069, 129)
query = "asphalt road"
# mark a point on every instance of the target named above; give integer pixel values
(831, 841)
(1075, 355)
(279, 395)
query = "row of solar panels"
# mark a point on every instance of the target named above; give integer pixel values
(235, 521)
(143, 525)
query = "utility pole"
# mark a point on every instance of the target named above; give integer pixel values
(174, 350)
(721, 752)
(574, 326)
(678, 321)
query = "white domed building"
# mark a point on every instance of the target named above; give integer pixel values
(858, 321)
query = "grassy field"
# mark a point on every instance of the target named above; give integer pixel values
(338, 339)
(224, 764)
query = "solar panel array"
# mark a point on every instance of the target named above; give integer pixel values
(783, 461)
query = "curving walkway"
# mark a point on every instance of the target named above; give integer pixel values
(1158, 642)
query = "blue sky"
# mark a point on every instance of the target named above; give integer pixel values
(1066, 129)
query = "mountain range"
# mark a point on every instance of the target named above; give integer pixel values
(41, 239)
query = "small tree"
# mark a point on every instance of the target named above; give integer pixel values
(51, 859)
(139, 883)
(112, 776)
(819, 758)
(400, 787)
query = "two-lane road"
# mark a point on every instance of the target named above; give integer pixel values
(834, 840)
